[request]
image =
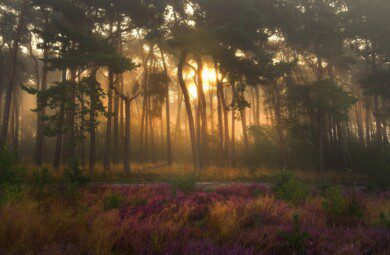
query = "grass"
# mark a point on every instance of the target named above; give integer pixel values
(149, 219)
(152, 173)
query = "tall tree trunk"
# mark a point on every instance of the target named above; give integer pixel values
(320, 138)
(116, 146)
(107, 155)
(234, 163)
(15, 142)
(126, 158)
(92, 122)
(167, 111)
(225, 120)
(359, 122)
(60, 128)
(41, 113)
(219, 110)
(71, 116)
(368, 122)
(343, 147)
(187, 102)
(10, 86)
(257, 109)
(378, 122)
(203, 112)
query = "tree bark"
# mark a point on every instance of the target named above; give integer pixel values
(107, 155)
(187, 102)
(203, 112)
(126, 158)
(167, 111)
(60, 128)
(10, 86)
(41, 113)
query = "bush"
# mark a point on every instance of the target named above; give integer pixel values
(74, 176)
(41, 183)
(185, 183)
(289, 188)
(113, 201)
(9, 194)
(9, 172)
(343, 210)
(296, 238)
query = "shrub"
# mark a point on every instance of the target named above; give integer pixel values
(185, 183)
(9, 193)
(41, 183)
(9, 172)
(74, 176)
(343, 210)
(289, 188)
(113, 201)
(296, 238)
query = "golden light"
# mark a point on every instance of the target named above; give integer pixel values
(209, 79)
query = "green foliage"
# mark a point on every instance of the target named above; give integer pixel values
(341, 209)
(42, 182)
(289, 188)
(296, 238)
(9, 193)
(9, 172)
(264, 152)
(74, 175)
(113, 201)
(185, 183)
(383, 221)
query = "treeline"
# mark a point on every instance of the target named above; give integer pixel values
(266, 83)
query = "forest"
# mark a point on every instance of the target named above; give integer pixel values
(194, 127)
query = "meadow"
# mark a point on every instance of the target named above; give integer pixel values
(188, 213)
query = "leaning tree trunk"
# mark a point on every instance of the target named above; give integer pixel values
(188, 108)
(10, 87)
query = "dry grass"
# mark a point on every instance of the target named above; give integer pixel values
(149, 172)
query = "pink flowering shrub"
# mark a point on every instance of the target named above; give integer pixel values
(234, 219)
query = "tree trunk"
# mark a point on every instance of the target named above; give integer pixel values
(167, 112)
(257, 109)
(92, 121)
(10, 87)
(116, 143)
(41, 113)
(219, 110)
(203, 112)
(368, 122)
(359, 122)
(187, 102)
(60, 128)
(226, 121)
(126, 158)
(234, 163)
(107, 155)
(71, 117)
(379, 137)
